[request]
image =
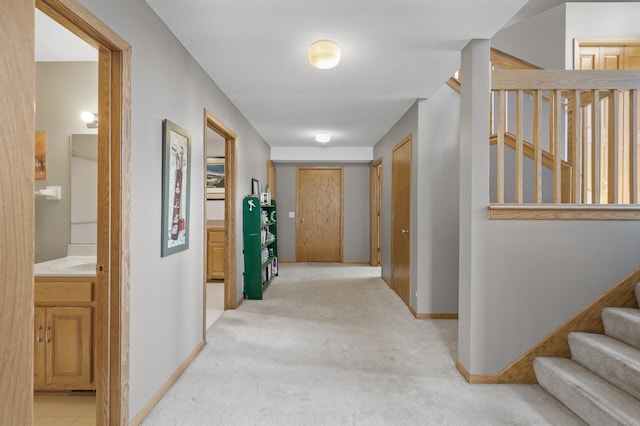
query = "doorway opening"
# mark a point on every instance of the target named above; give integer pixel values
(222, 248)
(109, 291)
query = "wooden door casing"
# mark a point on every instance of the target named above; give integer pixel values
(376, 212)
(401, 219)
(319, 225)
(39, 351)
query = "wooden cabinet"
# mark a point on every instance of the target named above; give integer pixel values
(63, 335)
(215, 253)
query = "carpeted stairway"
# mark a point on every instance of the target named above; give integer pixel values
(601, 381)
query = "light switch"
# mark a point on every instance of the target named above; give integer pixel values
(292, 214)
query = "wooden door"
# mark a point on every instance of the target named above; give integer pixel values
(320, 214)
(401, 219)
(376, 212)
(68, 337)
(39, 346)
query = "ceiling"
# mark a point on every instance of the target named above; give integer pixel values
(392, 54)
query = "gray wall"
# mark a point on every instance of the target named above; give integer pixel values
(438, 202)
(539, 40)
(356, 211)
(63, 91)
(166, 292)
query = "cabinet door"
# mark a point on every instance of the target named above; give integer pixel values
(215, 254)
(69, 347)
(39, 346)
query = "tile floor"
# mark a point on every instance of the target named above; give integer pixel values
(64, 410)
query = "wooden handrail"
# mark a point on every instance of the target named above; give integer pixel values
(505, 61)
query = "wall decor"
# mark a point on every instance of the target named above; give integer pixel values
(176, 171)
(255, 187)
(41, 155)
(215, 178)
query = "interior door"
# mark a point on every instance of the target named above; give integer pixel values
(320, 214)
(401, 219)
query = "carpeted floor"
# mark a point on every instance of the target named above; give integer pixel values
(331, 344)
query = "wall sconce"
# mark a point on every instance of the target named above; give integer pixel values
(91, 118)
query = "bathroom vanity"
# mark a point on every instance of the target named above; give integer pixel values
(64, 340)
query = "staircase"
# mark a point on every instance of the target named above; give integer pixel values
(601, 381)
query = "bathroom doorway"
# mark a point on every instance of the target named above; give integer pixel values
(99, 315)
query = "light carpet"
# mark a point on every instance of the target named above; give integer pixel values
(331, 344)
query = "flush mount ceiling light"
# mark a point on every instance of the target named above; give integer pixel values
(324, 54)
(323, 137)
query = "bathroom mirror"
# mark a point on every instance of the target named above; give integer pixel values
(84, 188)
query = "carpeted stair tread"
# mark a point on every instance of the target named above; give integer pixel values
(622, 324)
(609, 358)
(593, 399)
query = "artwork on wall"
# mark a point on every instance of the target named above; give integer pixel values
(215, 178)
(176, 164)
(41, 155)
(255, 187)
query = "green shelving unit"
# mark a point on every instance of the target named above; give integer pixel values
(260, 237)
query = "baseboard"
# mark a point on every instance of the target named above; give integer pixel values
(172, 379)
(286, 260)
(437, 316)
(356, 262)
(476, 379)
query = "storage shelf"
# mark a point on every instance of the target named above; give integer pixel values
(265, 245)
(255, 243)
(264, 225)
(268, 261)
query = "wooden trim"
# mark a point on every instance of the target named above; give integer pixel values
(287, 260)
(505, 61)
(564, 80)
(165, 387)
(588, 320)
(433, 316)
(356, 262)
(17, 85)
(633, 147)
(475, 379)
(386, 281)
(454, 83)
(271, 179)
(231, 176)
(562, 212)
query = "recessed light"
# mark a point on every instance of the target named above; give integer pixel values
(323, 137)
(324, 54)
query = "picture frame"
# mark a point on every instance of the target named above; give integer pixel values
(176, 187)
(255, 187)
(215, 178)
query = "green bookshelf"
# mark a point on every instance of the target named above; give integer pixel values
(260, 238)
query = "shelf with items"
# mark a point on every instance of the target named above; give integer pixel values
(260, 246)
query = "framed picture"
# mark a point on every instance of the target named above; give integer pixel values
(176, 171)
(41, 155)
(215, 178)
(255, 187)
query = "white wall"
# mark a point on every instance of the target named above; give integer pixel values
(438, 202)
(599, 20)
(405, 126)
(166, 292)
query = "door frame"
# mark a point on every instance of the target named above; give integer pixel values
(375, 197)
(111, 372)
(230, 175)
(341, 169)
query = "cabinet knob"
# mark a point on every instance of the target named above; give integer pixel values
(405, 231)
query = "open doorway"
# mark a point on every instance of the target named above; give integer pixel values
(375, 186)
(223, 242)
(215, 194)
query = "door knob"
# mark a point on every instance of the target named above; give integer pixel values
(405, 231)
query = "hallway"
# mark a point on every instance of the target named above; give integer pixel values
(331, 344)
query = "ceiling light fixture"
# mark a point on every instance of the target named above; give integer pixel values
(324, 54)
(323, 137)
